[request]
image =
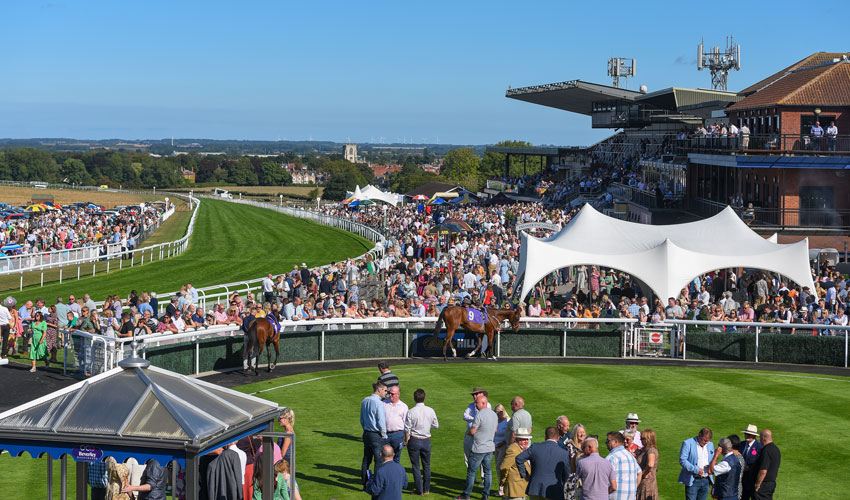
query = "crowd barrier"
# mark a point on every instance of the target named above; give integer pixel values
(219, 347)
(91, 255)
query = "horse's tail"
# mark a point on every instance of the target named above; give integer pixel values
(440, 320)
(252, 342)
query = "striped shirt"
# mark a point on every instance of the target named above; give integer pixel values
(626, 469)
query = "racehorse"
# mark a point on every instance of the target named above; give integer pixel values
(457, 316)
(261, 334)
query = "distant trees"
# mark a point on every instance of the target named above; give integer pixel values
(461, 166)
(137, 170)
(493, 164)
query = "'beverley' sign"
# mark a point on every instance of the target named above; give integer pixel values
(86, 454)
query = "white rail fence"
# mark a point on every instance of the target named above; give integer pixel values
(91, 255)
(93, 353)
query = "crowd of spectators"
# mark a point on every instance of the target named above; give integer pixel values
(420, 273)
(564, 463)
(78, 226)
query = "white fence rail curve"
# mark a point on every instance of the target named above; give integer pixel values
(91, 255)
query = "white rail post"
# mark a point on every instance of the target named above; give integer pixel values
(322, 345)
(42, 277)
(845, 348)
(406, 340)
(198, 356)
(499, 343)
(60, 275)
(22, 281)
(564, 342)
(684, 341)
(758, 331)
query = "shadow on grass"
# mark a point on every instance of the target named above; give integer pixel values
(349, 478)
(339, 476)
(340, 435)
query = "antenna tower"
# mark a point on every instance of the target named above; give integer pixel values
(620, 67)
(719, 63)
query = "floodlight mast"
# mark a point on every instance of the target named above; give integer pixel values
(621, 67)
(719, 63)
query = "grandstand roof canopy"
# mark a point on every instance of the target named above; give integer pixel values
(677, 98)
(666, 258)
(575, 96)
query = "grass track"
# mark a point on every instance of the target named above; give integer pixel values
(231, 242)
(804, 412)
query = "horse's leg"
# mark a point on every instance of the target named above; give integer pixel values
(490, 349)
(477, 346)
(269, 354)
(276, 351)
(257, 357)
(450, 332)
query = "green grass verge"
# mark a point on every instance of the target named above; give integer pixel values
(675, 402)
(231, 242)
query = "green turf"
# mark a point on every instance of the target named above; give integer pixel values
(807, 414)
(231, 242)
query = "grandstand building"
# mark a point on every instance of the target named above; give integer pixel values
(786, 174)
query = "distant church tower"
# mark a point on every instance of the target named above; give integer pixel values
(350, 152)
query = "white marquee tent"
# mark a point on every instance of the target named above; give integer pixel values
(374, 194)
(666, 258)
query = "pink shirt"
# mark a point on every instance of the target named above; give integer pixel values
(395, 413)
(745, 315)
(220, 317)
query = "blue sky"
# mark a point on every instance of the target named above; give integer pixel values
(431, 71)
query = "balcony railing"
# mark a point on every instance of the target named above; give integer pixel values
(781, 217)
(766, 143)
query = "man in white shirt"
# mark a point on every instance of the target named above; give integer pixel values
(268, 289)
(417, 437)
(831, 135)
(178, 320)
(396, 414)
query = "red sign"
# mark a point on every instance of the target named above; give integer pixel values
(655, 338)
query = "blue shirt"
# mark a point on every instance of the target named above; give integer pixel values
(626, 469)
(144, 306)
(372, 416)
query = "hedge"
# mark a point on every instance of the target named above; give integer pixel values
(773, 347)
(226, 352)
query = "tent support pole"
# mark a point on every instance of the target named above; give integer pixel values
(63, 487)
(191, 475)
(268, 464)
(49, 478)
(82, 479)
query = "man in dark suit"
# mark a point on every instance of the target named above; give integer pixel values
(750, 449)
(390, 478)
(550, 467)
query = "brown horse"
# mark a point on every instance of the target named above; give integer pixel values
(261, 334)
(456, 316)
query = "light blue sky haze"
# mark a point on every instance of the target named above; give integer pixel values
(361, 70)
